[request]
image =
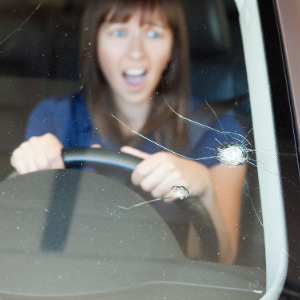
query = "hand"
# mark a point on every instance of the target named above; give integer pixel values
(95, 146)
(220, 189)
(38, 153)
(160, 171)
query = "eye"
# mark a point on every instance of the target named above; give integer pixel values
(119, 32)
(153, 34)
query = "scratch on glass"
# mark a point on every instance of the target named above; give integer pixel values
(22, 23)
(179, 192)
(229, 154)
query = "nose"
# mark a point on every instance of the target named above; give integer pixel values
(137, 48)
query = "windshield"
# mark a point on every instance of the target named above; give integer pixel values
(162, 113)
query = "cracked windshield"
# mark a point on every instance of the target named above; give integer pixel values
(134, 162)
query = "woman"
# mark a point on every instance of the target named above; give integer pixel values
(128, 47)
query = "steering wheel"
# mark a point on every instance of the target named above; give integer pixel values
(119, 166)
(67, 223)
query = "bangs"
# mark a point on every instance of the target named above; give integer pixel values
(123, 10)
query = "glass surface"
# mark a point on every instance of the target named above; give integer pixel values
(68, 228)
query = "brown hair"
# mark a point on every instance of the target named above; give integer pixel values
(161, 121)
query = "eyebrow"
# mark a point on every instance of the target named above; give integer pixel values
(151, 23)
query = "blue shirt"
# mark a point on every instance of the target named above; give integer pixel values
(69, 120)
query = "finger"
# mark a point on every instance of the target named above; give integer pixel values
(154, 178)
(165, 188)
(146, 167)
(26, 157)
(36, 154)
(55, 159)
(42, 162)
(135, 152)
(95, 146)
(162, 180)
(17, 163)
(52, 151)
(35, 157)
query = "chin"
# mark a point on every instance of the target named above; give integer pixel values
(138, 99)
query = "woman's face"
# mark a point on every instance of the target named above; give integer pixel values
(133, 55)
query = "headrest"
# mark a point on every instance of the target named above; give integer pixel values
(208, 27)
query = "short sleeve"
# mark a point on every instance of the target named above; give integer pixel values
(41, 120)
(52, 116)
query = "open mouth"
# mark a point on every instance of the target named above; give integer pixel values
(134, 76)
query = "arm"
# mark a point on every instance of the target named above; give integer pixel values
(228, 186)
(42, 149)
(160, 171)
(50, 128)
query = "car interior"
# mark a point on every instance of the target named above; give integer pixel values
(41, 60)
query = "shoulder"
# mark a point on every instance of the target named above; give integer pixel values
(58, 104)
(206, 136)
(53, 115)
(228, 123)
(213, 120)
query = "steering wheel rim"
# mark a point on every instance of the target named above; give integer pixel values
(100, 157)
(109, 162)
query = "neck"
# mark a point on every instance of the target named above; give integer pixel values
(132, 114)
